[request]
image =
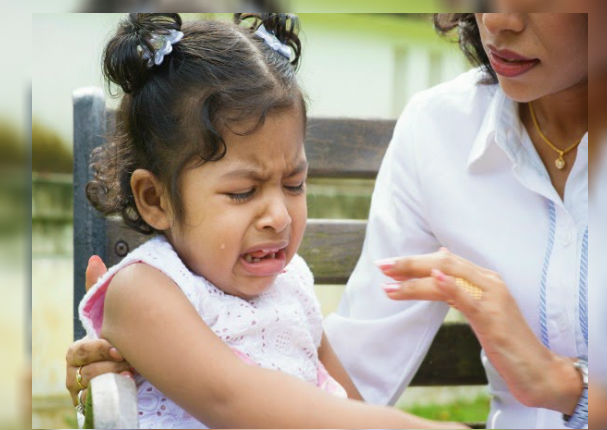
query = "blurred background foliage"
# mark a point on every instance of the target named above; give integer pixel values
(13, 180)
(50, 153)
(12, 146)
(15, 378)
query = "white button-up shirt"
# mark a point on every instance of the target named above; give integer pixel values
(461, 172)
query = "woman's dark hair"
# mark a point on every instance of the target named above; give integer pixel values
(468, 37)
(218, 74)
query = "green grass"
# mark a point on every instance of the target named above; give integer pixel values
(475, 410)
(71, 422)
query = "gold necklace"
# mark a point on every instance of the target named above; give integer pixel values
(560, 161)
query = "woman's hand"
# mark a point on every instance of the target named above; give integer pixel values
(535, 376)
(92, 357)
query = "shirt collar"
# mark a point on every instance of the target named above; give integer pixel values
(500, 122)
(502, 129)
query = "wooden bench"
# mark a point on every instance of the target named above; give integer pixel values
(336, 148)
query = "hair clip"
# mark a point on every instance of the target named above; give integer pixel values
(273, 42)
(162, 44)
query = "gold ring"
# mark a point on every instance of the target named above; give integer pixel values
(79, 378)
(469, 288)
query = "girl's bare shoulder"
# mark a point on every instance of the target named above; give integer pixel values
(137, 294)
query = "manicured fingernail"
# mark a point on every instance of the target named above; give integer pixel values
(386, 263)
(438, 275)
(390, 287)
(95, 259)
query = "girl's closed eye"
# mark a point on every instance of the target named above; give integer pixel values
(297, 189)
(241, 196)
(246, 195)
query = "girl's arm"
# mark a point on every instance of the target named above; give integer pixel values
(158, 331)
(331, 362)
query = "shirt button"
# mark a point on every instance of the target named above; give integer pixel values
(567, 238)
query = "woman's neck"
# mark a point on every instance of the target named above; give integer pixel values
(563, 116)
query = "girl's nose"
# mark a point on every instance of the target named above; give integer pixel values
(275, 216)
(498, 22)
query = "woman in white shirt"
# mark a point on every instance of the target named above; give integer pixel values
(469, 170)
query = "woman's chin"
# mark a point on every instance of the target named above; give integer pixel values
(520, 92)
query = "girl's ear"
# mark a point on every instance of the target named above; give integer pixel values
(151, 199)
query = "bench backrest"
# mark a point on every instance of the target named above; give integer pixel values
(336, 148)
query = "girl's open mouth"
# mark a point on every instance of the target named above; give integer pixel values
(264, 262)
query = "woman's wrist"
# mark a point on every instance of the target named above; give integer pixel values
(563, 385)
(552, 381)
(532, 372)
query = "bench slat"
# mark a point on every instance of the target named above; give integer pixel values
(346, 148)
(340, 147)
(453, 358)
(332, 247)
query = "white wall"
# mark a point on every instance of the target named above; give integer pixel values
(67, 56)
(346, 73)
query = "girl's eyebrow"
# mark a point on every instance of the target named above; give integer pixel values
(255, 173)
(301, 167)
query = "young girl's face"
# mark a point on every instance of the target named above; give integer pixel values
(244, 215)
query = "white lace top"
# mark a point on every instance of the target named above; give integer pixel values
(280, 329)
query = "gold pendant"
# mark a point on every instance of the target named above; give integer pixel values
(559, 163)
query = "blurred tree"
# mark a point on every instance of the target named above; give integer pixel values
(12, 148)
(13, 181)
(49, 152)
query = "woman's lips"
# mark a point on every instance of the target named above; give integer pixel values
(510, 64)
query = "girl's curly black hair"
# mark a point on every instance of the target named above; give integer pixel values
(218, 74)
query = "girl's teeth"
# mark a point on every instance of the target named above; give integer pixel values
(250, 259)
